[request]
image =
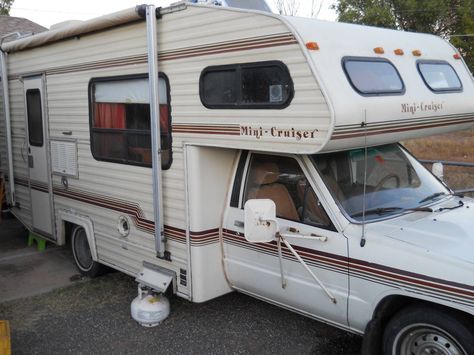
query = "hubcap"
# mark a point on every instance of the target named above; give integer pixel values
(82, 250)
(426, 339)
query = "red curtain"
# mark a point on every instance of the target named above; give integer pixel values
(106, 115)
(164, 122)
(109, 116)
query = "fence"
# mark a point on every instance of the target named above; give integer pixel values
(459, 176)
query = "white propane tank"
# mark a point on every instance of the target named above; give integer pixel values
(149, 308)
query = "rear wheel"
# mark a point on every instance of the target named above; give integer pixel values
(82, 254)
(427, 330)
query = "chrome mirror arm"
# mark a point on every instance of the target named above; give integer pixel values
(281, 238)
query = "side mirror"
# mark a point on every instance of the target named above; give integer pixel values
(438, 170)
(260, 221)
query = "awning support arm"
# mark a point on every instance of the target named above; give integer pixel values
(6, 110)
(155, 129)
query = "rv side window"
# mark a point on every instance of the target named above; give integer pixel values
(282, 180)
(242, 86)
(35, 117)
(373, 76)
(439, 76)
(120, 120)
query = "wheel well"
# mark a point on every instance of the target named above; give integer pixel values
(68, 228)
(392, 304)
(386, 309)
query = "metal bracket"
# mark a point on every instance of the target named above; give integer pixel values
(156, 277)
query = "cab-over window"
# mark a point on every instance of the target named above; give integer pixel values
(373, 76)
(439, 76)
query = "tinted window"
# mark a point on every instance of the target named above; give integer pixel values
(264, 85)
(120, 122)
(282, 180)
(250, 85)
(219, 87)
(373, 76)
(439, 76)
(35, 117)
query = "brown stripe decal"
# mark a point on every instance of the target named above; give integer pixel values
(206, 237)
(447, 290)
(329, 261)
(232, 130)
(134, 211)
(280, 39)
(399, 126)
(255, 43)
(451, 291)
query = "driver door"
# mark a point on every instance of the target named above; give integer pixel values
(255, 268)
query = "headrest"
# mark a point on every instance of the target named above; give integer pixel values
(265, 173)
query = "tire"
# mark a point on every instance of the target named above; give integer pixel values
(82, 254)
(418, 330)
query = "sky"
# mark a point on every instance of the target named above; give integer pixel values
(49, 12)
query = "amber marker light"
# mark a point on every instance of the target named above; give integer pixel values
(398, 51)
(456, 56)
(416, 53)
(379, 50)
(312, 46)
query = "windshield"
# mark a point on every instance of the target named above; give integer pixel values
(395, 181)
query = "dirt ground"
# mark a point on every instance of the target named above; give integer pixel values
(52, 310)
(93, 317)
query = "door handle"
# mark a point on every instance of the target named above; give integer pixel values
(294, 233)
(30, 161)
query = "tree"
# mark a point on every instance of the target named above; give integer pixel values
(287, 7)
(293, 8)
(450, 19)
(5, 6)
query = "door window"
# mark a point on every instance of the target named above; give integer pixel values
(35, 117)
(281, 179)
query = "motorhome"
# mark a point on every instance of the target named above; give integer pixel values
(203, 149)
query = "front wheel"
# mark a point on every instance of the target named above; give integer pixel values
(82, 254)
(427, 330)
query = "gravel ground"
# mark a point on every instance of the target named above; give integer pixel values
(93, 317)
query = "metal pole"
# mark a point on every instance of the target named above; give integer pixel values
(330, 295)
(6, 110)
(155, 129)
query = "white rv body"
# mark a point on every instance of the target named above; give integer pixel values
(212, 150)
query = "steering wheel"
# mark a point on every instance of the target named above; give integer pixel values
(386, 178)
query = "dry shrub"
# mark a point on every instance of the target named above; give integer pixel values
(457, 146)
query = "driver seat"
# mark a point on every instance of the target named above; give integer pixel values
(264, 179)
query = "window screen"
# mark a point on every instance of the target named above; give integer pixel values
(120, 120)
(35, 117)
(373, 76)
(439, 76)
(250, 85)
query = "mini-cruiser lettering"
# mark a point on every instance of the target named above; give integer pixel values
(421, 107)
(259, 132)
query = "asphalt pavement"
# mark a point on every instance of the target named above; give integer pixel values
(93, 317)
(26, 271)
